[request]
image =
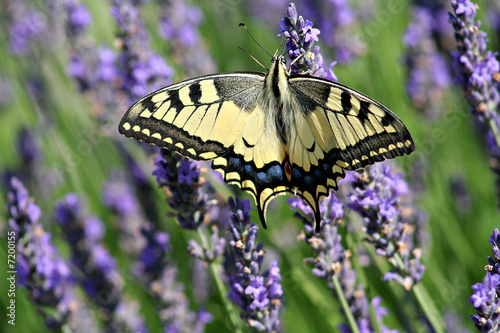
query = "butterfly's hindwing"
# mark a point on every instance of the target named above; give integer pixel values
(199, 118)
(264, 182)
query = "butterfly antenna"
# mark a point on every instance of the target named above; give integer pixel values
(296, 59)
(251, 56)
(244, 26)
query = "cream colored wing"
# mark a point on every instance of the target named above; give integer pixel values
(216, 117)
(337, 129)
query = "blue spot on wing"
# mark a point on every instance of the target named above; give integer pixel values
(261, 178)
(275, 173)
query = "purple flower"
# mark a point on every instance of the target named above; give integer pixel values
(336, 19)
(21, 208)
(78, 18)
(116, 79)
(40, 268)
(181, 176)
(180, 26)
(180, 22)
(486, 297)
(477, 70)
(160, 278)
(486, 301)
(27, 147)
(429, 73)
(153, 257)
(332, 260)
(378, 196)
(300, 36)
(120, 197)
(257, 293)
(27, 26)
(453, 323)
(98, 272)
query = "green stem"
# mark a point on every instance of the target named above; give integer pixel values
(494, 129)
(345, 305)
(425, 302)
(429, 308)
(216, 269)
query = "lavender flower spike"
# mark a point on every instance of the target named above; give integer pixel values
(486, 297)
(332, 262)
(40, 268)
(160, 278)
(98, 270)
(377, 196)
(478, 71)
(487, 304)
(181, 178)
(257, 294)
(300, 37)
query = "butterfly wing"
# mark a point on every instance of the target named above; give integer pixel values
(338, 129)
(198, 118)
(216, 117)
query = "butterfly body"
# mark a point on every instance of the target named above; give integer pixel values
(270, 134)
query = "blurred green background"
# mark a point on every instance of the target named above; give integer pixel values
(447, 147)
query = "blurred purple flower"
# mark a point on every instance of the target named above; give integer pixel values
(115, 79)
(153, 257)
(120, 197)
(180, 22)
(180, 26)
(21, 208)
(160, 278)
(78, 19)
(452, 321)
(257, 293)
(478, 71)
(181, 177)
(142, 69)
(27, 147)
(40, 268)
(461, 193)
(98, 272)
(27, 25)
(429, 74)
(377, 196)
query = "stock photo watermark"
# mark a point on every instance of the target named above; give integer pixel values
(11, 277)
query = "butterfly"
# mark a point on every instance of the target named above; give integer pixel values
(270, 133)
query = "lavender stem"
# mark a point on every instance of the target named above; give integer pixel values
(494, 129)
(345, 305)
(216, 269)
(427, 305)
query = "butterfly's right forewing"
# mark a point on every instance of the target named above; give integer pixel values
(199, 118)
